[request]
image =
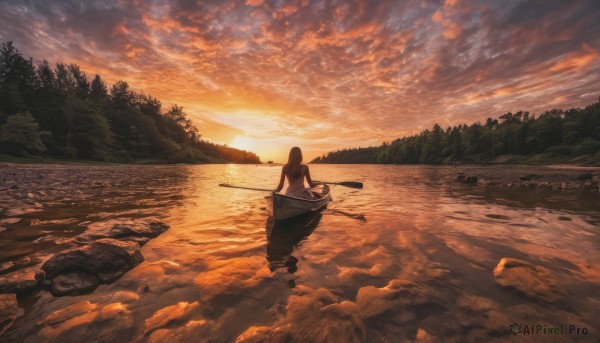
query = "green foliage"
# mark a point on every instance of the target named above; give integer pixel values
(588, 146)
(20, 135)
(218, 151)
(58, 112)
(556, 136)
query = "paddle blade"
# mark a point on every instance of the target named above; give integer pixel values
(352, 184)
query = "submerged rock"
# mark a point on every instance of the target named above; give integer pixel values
(424, 336)
(73, 317)
(21, 281)
(106, 258)
(16, 264)
(529, 177)
(175, 313)
(531, 280)
(140, 232)
(471, 179)
(8, 311)
(315, 315)
(10, 221)
(74, 284)
(64, 314)
(466, 179)
(585, 176)
(87, 322)
(397, 294)
(590, 185)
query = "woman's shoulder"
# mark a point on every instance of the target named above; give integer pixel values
(305, 166)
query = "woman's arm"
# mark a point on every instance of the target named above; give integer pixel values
(281, 180)
(309, 180)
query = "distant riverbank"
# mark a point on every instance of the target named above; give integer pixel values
(547, 159)
(536, 160)
(11, 160)
(543, 159)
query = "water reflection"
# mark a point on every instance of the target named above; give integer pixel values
(44, 207)
(283, 237)
(357, 216)
(390, 262)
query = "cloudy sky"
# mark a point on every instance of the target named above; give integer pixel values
(267, 75)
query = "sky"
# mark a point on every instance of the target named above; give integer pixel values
(323, 75)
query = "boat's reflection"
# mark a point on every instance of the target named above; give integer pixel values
(284, 237)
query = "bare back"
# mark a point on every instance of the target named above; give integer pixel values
(299, 181)
(296, 186)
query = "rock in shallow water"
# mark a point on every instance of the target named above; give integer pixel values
(531, 280)
(140, 232)
(175, 313)
(16, 264)
(86, 321)
(21, 281)
(106, 258)
(374, 301)
(8, 311)
(10, 221)
(466, 179)
(74, 284)
(64, 314)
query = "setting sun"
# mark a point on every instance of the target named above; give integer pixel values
(243, 143)
(357, 73)
(299, 171)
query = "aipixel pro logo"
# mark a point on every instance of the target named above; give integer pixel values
(542, 329)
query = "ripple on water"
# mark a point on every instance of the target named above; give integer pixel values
(411, 256)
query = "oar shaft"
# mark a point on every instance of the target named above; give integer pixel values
(247, 188)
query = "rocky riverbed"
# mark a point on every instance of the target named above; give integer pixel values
(422, 253)
(100, 255)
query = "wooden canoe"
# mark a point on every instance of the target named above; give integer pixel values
(282, 207)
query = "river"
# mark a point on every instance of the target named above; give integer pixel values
(408, 257)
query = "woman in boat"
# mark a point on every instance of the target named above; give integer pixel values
(295, 172)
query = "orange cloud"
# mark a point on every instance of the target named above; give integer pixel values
(285, 11)
(450, 29)
(254, 2)
(320, 75)
(577, 61)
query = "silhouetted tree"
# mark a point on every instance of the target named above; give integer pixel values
(58, 112)
(20, 135)
(554, 133)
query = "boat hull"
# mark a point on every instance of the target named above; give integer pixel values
(282, 207)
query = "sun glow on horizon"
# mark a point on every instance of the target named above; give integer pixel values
(274, 149)
(264, 76)
(243, 143)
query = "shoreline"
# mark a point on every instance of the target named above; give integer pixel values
(50, 161)
(19, 161)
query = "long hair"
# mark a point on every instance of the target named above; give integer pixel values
(294, 169)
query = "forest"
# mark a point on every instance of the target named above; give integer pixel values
(555, 136)
(58, 112)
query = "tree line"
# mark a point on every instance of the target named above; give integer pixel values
(554, 136)
(59, 112)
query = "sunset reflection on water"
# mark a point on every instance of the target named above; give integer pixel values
(409, 256)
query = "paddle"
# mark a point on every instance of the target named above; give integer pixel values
(351, 184)
(248, 188)
(347, 214)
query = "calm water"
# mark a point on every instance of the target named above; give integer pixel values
(222, 272)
